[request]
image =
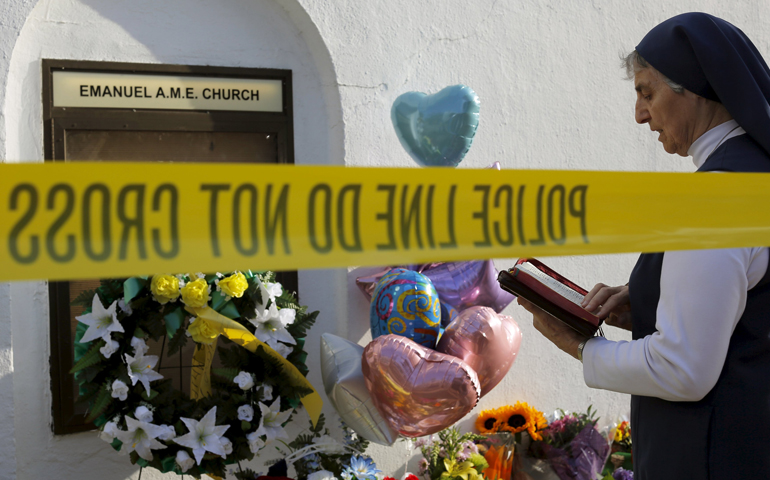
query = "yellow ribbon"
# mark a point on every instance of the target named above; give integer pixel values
(221, 325)
(200, 376)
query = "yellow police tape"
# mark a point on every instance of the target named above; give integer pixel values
(88, 220)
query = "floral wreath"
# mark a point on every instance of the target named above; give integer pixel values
(233, 411)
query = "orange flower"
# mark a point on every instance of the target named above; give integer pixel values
(488, 422)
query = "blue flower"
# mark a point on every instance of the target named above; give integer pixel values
(362, 468)
(312, 462)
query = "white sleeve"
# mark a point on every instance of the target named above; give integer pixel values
(702, 297)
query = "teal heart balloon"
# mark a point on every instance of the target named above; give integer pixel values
(437, 130)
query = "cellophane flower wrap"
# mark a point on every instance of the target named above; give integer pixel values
(572, 448)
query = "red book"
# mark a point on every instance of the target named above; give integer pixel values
(554, 293)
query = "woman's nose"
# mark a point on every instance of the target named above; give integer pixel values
(642, 114)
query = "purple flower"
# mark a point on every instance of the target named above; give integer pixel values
(470, 448)
(623, 474)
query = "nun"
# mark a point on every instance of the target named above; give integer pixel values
(698, 367)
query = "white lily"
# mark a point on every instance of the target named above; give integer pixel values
(140, 437)
(204, 436)
(140, 369)
(272, 419)
(268, 293)
(100, 321)
(271, 327)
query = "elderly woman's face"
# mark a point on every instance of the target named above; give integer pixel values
(673, 115)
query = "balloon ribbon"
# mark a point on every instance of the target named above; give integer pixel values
(237, 333)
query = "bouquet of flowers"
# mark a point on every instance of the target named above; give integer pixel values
(620, 463)
(451, 457)
(504, 428)
(568, 448)
(318, 456)
(572, 447)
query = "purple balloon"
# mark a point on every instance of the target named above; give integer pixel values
(459, 284)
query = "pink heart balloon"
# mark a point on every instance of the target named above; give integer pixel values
(418, 391)
(486, 341)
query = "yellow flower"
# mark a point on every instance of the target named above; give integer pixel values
(165, 288)
(196, 293)
(488, 422)
(463, 470)
(622, 432)
(234, 285)
(521, 417)
(201, 331)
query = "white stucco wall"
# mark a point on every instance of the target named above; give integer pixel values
(552, 97)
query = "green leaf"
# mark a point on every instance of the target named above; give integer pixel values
(169, 465)
(229, 310)
(132, 287)
(217, 300)
(245, 426)
(85, 299)
(174, 321)
(299, 328)
(103, 400)
(92, 357)
(80, 348)
(116, 444)
(246, 474)
(228, 373)
(320, 425)
(153, 394)
(478, 461)
(177, 342)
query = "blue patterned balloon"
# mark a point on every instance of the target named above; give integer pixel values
(437, 130)
(406, 303)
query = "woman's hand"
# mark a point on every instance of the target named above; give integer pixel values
(561, 335)
(610, 302)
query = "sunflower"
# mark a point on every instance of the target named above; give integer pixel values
(521, 417)
(488, 422)
(538, 425)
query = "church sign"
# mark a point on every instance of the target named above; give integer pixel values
(165, 92)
